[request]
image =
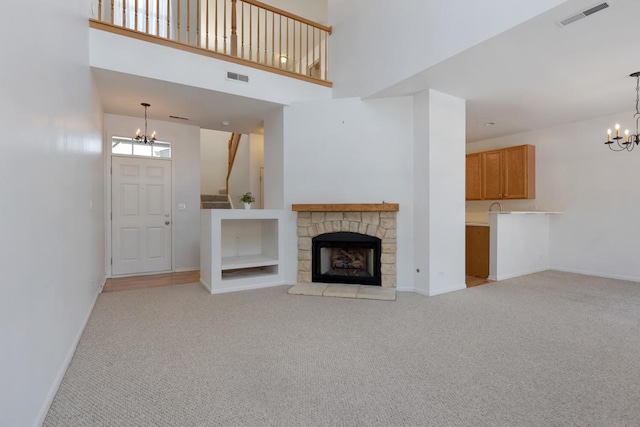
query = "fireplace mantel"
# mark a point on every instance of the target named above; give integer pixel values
(350, 207)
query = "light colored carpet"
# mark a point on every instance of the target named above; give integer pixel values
(550, 349)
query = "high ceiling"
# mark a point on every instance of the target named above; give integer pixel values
(540, 74)
(536, 75)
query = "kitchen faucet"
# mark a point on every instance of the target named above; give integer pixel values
(495, 203)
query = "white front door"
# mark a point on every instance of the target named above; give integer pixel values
(141, 221)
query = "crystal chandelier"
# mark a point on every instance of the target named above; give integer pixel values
(627, 142)
(143, 138)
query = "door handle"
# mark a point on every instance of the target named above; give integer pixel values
(167, 222)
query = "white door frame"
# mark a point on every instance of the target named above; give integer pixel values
(108, 205)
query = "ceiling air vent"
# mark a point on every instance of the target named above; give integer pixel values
(577, 16)
(238, 77)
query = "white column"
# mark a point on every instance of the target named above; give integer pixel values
(439, 170)
(274, 159)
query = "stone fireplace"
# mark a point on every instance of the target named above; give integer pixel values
(347, 243)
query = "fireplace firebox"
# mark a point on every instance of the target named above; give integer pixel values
(346, 257)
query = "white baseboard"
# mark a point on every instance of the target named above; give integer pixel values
(44, 409)
(246, 287)
(183, 270)
(405, 289)
(523, 273)
(432, 294)
(447, 290)
(206, 285)
(596, 274)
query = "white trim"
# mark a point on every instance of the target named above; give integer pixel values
(44, 409)
(447, 290)
(206, 285)
(168, 159)
(432, 294)
(185, 269)
(104, 282)
(511, 276)
(408, 290)
(590, 273)
(108, 210)
(228, 289)
(119, 276)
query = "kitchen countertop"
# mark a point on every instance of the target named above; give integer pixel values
(523, 212)
(481, 219)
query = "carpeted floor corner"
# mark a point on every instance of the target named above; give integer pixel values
(549, 349)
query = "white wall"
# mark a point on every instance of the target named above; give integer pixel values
(594, 187)
(52, 187)
(185, 160)
(214, 155)
(315, 10)
(348, 151)
(377, 43)
(519, 245)
(439, 166)
(274, 134)
(240, 179)
(256, 162)
(124, 54)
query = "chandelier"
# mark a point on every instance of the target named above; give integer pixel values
(143, 138)
(628, 141)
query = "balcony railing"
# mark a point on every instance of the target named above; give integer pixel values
(245, 30)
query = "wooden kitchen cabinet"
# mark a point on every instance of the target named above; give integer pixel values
(519, 172)
(492, 174)
(509, 173)
(477, 251)
(473, 177)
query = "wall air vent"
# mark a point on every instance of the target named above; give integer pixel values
(178, 117)
(577, 16)
(237, 77)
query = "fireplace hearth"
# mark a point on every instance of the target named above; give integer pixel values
(346, 257)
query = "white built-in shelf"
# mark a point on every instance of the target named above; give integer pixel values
(247, 261)
(239, 249)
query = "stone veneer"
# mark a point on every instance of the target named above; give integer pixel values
(382, 225)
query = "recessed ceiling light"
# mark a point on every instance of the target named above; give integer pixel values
(226, 123)
(489, 124)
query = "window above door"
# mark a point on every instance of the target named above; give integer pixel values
(128, 147)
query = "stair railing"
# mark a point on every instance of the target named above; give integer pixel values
(234, 143)
(244, 29)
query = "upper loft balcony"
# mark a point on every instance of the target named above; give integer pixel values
(243, 32)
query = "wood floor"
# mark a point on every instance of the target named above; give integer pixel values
(151, 281)
(475, 281)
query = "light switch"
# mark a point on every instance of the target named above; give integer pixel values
(182, 206)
